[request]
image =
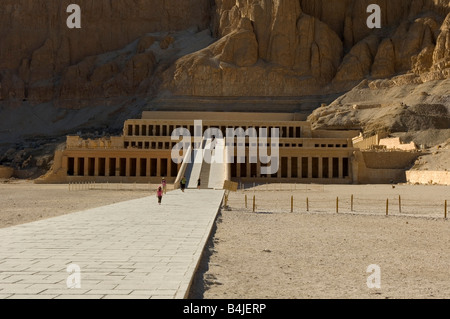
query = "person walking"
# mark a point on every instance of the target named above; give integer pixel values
(159, 194)
(213, 142)
(164, 185)
(183, 183)
(198, 183)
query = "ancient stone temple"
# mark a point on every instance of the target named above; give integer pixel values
(218, 146)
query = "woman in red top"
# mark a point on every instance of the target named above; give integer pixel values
(159, 194)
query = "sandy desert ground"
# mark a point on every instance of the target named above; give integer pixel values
(272, 253)
(22, 201)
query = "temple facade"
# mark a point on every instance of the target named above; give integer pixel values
(144, 153)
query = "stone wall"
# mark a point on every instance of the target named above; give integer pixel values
(395, 143)
(389, 160)
(428, 177)
(381, 176)
(379, 167)
(366, 143)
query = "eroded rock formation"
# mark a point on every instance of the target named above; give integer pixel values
(42, 60)
(261, 48)
(304, 45)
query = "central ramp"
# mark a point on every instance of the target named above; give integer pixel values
(207, 164)
(133, 249)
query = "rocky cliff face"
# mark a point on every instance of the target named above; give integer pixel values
(42, 60)
(298, 47)
(260, 48)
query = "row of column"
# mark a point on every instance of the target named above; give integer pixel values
(166, 130)
(152, 130)
(298, 167)
(124, 167)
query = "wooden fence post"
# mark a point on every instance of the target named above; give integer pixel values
(292, 204)
(387, 206)
(337, 205)
(445, 209)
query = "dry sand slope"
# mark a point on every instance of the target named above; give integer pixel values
(326, 255)
(23, 202)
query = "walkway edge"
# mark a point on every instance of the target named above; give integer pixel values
(185, 287)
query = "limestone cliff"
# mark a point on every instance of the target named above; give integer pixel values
(298, 47)
(42, 60)
(268, 48)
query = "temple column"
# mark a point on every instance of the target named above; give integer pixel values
(86, 166)
(289, 167)
(341, 168)
(107, 166)
(320, 167)
(128, 167)
(310, 167)
(258, 168)
(158, 171)
(117, 166)
(96, 166)
(299, 167)
(138, 167)
(149, 163)
(238, 168)
(76, 163)
(330, 167)
(279, 167)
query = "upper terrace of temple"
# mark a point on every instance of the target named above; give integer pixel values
(154, 130)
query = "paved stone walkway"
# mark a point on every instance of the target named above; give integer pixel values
(133, 249)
